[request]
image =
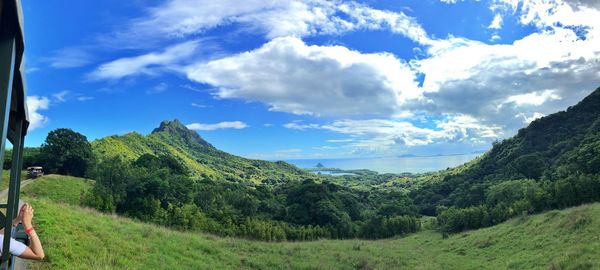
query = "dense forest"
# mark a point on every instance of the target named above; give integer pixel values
(175, 178)
(553, 163)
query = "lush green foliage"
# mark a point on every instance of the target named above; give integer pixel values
(66, 152)
(156, 189)
(6, 178)
(31, 157)
(553, 163)
(200, 158)
(77, 238)
(59, 188)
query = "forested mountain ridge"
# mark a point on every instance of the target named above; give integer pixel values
(175, 178)
(200, 158)
(552, 163)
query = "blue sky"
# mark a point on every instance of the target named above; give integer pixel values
(310, 79)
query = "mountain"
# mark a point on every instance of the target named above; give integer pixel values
(176, 128)
(561, 145)
(197, 155)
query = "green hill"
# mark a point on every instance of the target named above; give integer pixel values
(559, 147)
(202, 160)
(78, 238)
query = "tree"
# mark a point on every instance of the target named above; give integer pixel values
(66, 152)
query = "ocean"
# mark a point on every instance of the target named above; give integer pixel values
(389, 164)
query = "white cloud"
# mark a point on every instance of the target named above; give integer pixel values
(298, 125)
(534, 98)
(462, 77)
(529, 118)
(35, 104)
(61, 96)
(176, 19)
(65, 95)
(147, 64)
(553, 13)
(190, 87)
(496, 22)
(293, 77)
(325, 148)
(202, 106)
(376, 135)
(340, 140)
(221, 125)
(483, 90)
(69, 58)
(478, 79)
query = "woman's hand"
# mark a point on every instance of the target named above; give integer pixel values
(35, 250)
(27, 215)
(19, 218)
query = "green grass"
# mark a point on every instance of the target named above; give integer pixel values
(78, 238)
(58, 188)
(6, 178)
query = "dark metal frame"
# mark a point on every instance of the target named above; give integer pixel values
(13, 112)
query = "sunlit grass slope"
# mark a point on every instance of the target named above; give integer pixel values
(201, 159)
(77, 238)
(58, 188)
(6, 178)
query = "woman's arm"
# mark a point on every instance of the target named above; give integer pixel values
(35, 250)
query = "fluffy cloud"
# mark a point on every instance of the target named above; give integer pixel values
(221, 125)
(293, 77)
(35, 104)
(493, 83)
(496, 22)
(501, 85)
(534, 98)
(484, 91)
(147, 64)
(181, 18)
(383, 134)
(553, 13)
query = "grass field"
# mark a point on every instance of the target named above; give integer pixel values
(78, 238)
(58, 188)
(6, 178)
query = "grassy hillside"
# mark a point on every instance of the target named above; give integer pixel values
(561, 145)
(6, 178)
(77, 238)
(202, 160)
(58, 188)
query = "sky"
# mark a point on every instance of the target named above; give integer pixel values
(309, 79)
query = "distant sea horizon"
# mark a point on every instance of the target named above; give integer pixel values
(400, 164)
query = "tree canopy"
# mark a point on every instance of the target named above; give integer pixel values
(66, 152)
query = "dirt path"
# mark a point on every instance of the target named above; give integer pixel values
(4, 193)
